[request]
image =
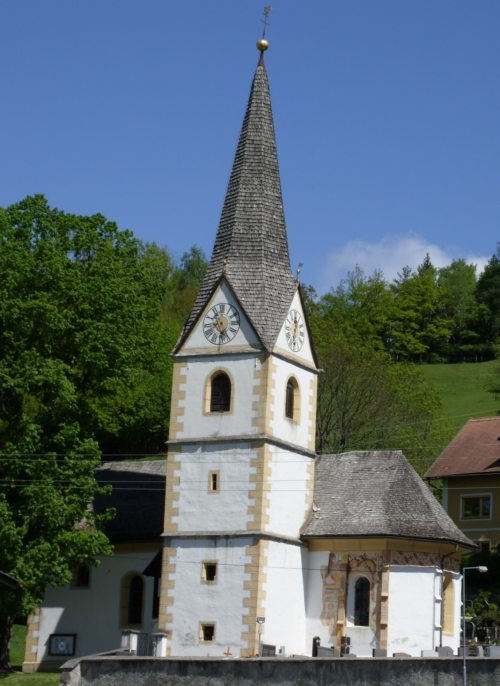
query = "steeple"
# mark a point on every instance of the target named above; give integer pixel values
(251, 247)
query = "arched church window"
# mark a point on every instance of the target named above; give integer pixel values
(362, 602)
(292, 399)
(132, 597)
(220, 393)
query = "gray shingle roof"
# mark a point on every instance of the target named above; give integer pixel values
(251, 247)
(376, 493)
(138, 496)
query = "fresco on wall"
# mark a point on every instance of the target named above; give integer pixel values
(422, 559)
(335, 580)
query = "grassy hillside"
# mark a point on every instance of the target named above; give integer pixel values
(464, 390)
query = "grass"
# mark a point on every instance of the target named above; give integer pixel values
(38, 679)
(463, 389)
(16, 658)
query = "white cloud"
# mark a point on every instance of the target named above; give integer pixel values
(390, 255)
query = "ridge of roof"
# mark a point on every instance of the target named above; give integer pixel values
(251, 246)
(376, 493)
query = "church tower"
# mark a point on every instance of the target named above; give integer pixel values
(242, 430)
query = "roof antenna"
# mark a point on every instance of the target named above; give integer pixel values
(297, 273)
(263, 44)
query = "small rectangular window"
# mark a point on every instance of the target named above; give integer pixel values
(213, 482)
(209, 572)
(476, 507)
(207, 633)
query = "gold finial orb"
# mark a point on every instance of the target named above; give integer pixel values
(262, 44)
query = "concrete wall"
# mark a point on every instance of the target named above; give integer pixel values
(111, 671)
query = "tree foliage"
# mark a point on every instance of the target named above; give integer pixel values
(368, 402)
(85, 338)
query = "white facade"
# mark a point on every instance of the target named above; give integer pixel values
(92, 613)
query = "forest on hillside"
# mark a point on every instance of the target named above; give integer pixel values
(89, 315)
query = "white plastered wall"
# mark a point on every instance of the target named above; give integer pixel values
(412, 610)
(296, 432)
(317, 623)
(287, 495)
(225, 510)
(195, 421)
(220, 603)
(93, 613)
(285, 603)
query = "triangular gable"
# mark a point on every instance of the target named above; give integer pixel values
(222, 326)
(299, 347)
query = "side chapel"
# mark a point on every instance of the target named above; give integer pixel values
(265, 544)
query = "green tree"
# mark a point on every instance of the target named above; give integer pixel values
(367, 402)
(457, 284)
(84, 367)
(360, 307)
(419, 327)
(488, 295)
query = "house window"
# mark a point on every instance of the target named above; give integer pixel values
(207, 633)
(131, 600)
(209, 572)
(292, 400)
(213, 482)
(220, 393)
(81, 577)
(362, 602)
(448, 604)
(476, 507)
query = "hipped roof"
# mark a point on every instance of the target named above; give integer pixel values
(376, 494)
(251, 247)
(474, 450)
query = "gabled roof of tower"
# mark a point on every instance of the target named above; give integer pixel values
(251, 247)
(376, 494)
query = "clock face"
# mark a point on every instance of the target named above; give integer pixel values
(295, 330)
(221, 323)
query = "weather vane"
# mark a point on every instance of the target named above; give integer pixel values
(265, 21)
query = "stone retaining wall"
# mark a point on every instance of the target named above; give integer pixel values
(147, 671)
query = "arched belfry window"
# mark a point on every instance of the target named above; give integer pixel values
(292, 399)
(362, 602)
(220, 393)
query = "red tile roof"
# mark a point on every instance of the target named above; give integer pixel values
(474, 450)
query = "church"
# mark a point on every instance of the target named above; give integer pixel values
(268, 548)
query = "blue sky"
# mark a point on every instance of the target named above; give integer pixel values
(387, 115)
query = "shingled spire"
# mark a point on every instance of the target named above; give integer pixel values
(251, 247)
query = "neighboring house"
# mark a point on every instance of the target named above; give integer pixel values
(122, 592)
(470, 470)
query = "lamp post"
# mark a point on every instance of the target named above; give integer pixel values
(481, 569)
